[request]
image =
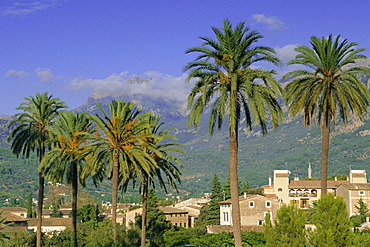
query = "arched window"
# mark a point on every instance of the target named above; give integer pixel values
(280, 189)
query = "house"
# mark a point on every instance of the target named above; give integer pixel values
(177, 217)
(49, 225)
(304, 192)
(14, 222)
(352, 193)
(193, 207)
(64, 212)
(253, 210)
(19, 211)
(131, 215)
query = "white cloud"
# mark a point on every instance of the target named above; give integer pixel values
(273, 22)
(286, 53)
(28, 7)
(20, 75)
(44, 74)
(160, 86)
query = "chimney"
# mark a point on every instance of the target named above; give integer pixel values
(296, 178)
(367, 219)
(335, 178)
(245, 194)
(270, 181)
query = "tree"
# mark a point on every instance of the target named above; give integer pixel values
(157, 223)
(210, 213)
(333, 227)
(31, 133)
(332, 89)
(289, 227)
(166, 170)
(29, 206)
(65, 162)
(226, 79)
(362, 213)
(120, 142)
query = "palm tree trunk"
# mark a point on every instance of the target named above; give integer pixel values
(144, 213)
(74, 204)
(325, 155)
(234, 189)
(40, 199)
(114, 195)
(39, 207)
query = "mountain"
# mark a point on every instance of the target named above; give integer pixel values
(291, 147)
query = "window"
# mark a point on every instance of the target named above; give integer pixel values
(268, 204)
(280, 190)
(226, 216)
(361, 192)
(251, 204)
(184, 224)
(181, 224)
(260, 222)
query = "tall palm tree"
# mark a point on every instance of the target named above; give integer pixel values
(226, 79)
(31, 133)
(331, 88)
(65, 162)
(119, 142)
(167, 171)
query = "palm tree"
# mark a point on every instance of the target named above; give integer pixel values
(167, 171)
(226, 80)
(65, 162)
(330, 89)
(119, 142)
(31, 133)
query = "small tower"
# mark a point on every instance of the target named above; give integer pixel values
(309, 170)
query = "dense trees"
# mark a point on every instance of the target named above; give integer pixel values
(333, 227)
(31, 133)
(289, 228)
(331, 90)
(227, 79)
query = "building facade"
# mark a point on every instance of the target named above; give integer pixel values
(253, 210)
(304, 192)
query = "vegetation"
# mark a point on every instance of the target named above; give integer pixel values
(331, 90)
(121, 144)
(64, 161)
(210, 213)
(224, 73)
(289, 228)
(333, 226)
(31, 133)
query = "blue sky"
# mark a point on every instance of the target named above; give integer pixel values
(72, 47)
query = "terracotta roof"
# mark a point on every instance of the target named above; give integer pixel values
(12, 217)
(309, 184)
(282, 174)
(13, 209)
(356, 186)
(51, 222)
(242, 198)
(172, 210)
(223, 228)
(358, 175)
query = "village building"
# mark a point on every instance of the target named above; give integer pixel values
(253, 210)
(50, 225)
(352, 193)
(304, 192)
(19, 211)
